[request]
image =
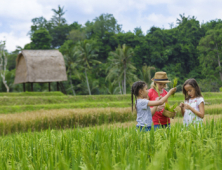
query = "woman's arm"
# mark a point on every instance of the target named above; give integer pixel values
(163, 100)
(198, 113)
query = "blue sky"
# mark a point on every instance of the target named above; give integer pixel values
(16, 15)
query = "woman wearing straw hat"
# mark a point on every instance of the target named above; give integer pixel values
(159, 81)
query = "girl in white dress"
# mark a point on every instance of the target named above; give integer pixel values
(193, 107)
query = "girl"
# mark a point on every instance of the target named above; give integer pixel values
(144, 114)
(159, 81)
(193, 108)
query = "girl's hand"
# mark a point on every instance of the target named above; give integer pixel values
(173, 90)
(181, 105)
(187, 106)
(161, 107)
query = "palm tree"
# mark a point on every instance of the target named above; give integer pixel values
(121, 66)
(86, 54)
(114, 76)
(57, 19)
(72, 67)
(146, 73)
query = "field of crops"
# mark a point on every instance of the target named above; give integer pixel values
(54, 131)
(115, 148)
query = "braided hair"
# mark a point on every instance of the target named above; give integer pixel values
(135, 90)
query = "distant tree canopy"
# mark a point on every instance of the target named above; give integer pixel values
(187, 50)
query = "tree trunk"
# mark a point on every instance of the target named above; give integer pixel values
(124, 79)
(87, 83)
(218, 59)
(120, 88)
(4, 82)
(73, 91)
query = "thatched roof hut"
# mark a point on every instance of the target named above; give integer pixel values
(40, 66)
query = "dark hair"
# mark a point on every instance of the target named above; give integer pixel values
(194, 84)
(135, 89)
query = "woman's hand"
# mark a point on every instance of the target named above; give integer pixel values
(173, 90)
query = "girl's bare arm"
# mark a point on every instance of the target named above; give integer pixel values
(163, 100)
(182, 108)
(153, 110)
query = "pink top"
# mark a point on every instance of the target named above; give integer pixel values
(158, 118)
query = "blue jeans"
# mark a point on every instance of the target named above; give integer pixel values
(144, 128)
(163, 126)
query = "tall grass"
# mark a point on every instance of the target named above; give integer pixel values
(67, 118)
(64, 118)
(179, 148)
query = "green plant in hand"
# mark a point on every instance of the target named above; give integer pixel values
(157, 89)
(170, 108)
(175, 81)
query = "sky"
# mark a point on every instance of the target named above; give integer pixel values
(16, 15)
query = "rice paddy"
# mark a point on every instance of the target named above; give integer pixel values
(100, 136)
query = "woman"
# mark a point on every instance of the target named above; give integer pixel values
(159, 81)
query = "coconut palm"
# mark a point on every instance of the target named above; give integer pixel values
(86, 54)
(72, 66)
(121, 67)
(57, 19)
(146, 73)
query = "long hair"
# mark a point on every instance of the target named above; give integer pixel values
(135, 90)
(194, 84)
(153, 85)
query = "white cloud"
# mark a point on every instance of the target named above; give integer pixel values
(129, 13)
(23, 9)
(13, 40)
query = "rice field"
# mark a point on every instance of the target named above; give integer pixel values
(115, 148)
(98, 132)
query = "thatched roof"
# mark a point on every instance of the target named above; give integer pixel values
(40, 66)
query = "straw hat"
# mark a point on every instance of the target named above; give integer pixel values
(160, 77)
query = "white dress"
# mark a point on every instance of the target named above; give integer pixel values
(189, 116)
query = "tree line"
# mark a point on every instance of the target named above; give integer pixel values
(103, 59)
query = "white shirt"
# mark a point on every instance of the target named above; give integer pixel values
(189, 116)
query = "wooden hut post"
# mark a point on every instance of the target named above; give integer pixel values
(49, 87)
(57, 86)
(32, 87)
(24, 87)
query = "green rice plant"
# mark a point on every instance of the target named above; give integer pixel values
(193, 147)
(170, 108)
(157, 89)
(175, 81)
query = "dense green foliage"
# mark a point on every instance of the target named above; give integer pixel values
(188, 50)
(115, 148)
